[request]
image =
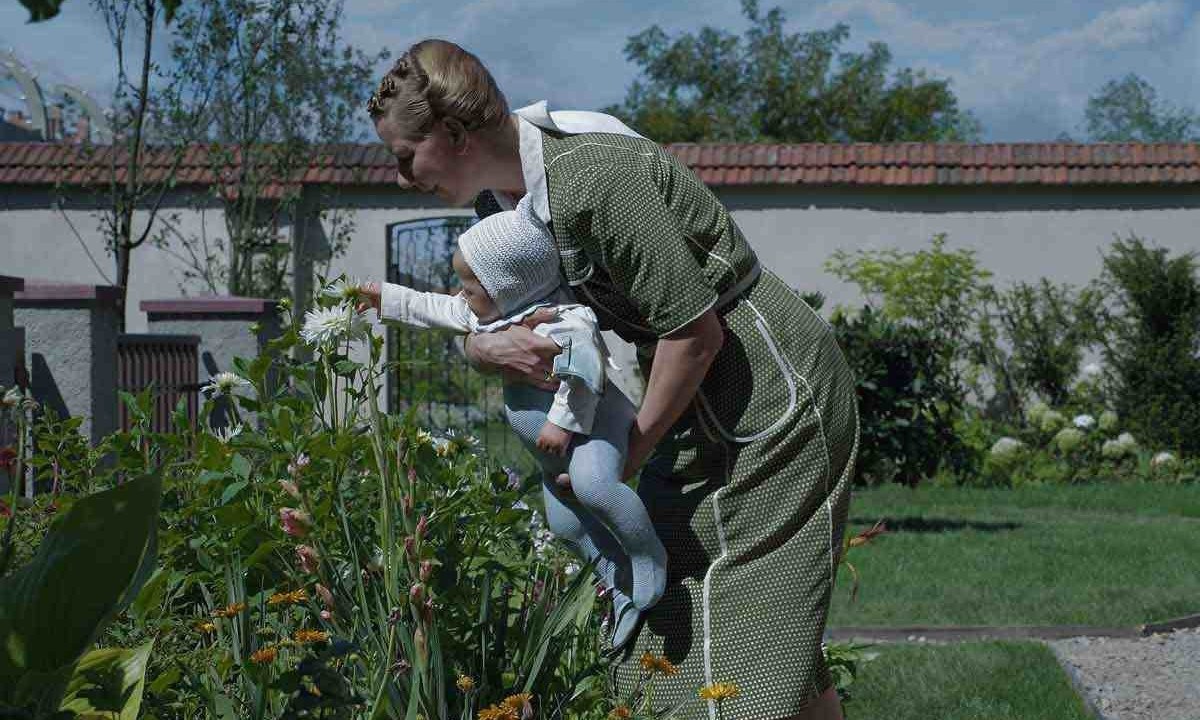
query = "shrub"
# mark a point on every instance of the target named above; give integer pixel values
(907, 400)
(1153, 345)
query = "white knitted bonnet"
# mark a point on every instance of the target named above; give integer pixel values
(514, 256)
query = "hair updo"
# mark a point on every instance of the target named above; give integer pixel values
(435, 79)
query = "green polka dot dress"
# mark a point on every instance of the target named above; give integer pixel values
(750, 489)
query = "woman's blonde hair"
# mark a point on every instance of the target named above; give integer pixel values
(435, 79)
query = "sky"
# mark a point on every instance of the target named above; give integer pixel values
(1025, 68)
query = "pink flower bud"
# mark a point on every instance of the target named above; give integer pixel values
(309, 559)
(426, 570)
(325, 595)
(290, 488)
(416, 593)
(410, 547)
(412, 475)
(295, 522)
(326, 615)
(298, 465)
(422, 526)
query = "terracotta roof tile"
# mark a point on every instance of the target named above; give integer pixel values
(908, 164)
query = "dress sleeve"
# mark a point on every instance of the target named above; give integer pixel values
(622, 220)
(400, 304)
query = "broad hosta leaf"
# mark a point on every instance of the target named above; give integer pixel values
(91, 564)
(107, 684)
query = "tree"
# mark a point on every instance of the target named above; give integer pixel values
(1129, 110)
(770, 86)
(286, 87)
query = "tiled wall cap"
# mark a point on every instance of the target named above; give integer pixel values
(208, 305)
(38, 291)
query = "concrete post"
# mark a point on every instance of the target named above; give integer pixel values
(12, 338)
(71, 350)
(224, 325)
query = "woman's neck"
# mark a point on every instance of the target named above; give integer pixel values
(500, 159)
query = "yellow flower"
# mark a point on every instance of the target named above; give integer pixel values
(620, 712)
(310, 636)
(495, 712)
(466, 683)
(229, 610)
(520, 705)
(264, 655)
(288, 598)
(718, 691)
(206, 627)
(658, 663)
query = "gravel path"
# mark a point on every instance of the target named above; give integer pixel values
(1155, 677)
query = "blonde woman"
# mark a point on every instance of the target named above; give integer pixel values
(748, 430)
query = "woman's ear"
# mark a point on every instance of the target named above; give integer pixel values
(459, 139)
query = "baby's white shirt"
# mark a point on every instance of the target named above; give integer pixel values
(574, 406)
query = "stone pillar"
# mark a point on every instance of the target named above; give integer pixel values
(224, 325)
(71, 350)
(12, 338)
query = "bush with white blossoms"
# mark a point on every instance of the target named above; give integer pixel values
(1125, 445)
(1084, 422)
(1163, 459)
(1052, 421)
(1108, 421)
(1069, 439)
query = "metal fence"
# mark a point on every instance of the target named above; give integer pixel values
(166, 363)
(432, 376)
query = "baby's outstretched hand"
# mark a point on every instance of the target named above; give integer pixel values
(554, 440)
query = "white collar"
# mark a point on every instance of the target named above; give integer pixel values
(533, 168)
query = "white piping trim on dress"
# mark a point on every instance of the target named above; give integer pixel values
(706, 588)
(784, 368)
(607, 145)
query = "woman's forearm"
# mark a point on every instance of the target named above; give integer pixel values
(680, 363)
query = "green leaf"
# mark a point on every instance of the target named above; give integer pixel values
(107, 684)
(151, 595)
(241, 466)
(233, 489)
(165, 680)
(92, 562)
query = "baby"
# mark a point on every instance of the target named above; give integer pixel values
(509, 267)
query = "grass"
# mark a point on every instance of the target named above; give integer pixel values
(968, 681)
(1103, 555)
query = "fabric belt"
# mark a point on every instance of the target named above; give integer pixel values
(726, 298)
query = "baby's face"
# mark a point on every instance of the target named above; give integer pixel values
(477, 298)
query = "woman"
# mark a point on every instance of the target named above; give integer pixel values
(748, 431)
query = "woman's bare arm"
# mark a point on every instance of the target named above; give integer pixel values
(681, 360)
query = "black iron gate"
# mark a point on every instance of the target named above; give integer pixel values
(432, 376)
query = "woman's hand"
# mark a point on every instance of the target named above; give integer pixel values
(517, 352)
(368, 294)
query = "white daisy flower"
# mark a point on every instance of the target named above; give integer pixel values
(1084, 422)
(226, 434)
(326, 326)
(347, 290)
(224, 383)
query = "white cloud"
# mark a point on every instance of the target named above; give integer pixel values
(1125, 27)
(901, 28)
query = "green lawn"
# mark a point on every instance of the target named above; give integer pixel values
(969, 681)
(1105, 555)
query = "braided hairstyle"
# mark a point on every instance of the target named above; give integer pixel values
(435, 79)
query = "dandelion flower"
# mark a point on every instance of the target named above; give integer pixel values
(225, 383)
(718, 691)
(620, 712)
(206, 627)
(658, 664)
(229, 610)
(294, 597)
(520, 705)
(495, 712)
(466, 683)
(305, 637)
(326, 326)
(264, 656)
